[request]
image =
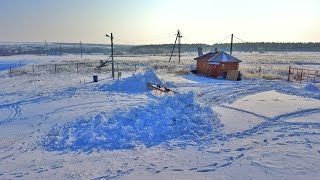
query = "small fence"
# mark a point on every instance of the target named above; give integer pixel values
(82, 68)
(303, 75)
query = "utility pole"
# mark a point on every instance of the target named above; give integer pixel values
(111, 37)
(179, 45)
(231, 44)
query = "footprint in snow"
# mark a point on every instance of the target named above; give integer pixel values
(39, 170)
(177, 170)
(56, 166)
(19, 174)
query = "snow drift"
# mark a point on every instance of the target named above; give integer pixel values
(134, 84)
(171, 118)
(312, 88)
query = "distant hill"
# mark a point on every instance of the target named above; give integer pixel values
(7, 49)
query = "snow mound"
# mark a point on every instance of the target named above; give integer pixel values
(171, 118)
(134, 84)
(311, 87)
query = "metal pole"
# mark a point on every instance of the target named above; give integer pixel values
(112, 56)
(231, 44)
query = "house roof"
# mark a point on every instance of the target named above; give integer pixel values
(222, 57)
(207, 56)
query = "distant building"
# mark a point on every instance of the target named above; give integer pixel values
(216, 63)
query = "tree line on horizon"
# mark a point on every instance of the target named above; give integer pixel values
(154, 49)
(239, 47)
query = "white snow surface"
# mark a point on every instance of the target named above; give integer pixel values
(53, 126)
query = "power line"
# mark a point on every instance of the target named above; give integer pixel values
(151, 39)
(187, 39)
(240, 39)
(219, 42)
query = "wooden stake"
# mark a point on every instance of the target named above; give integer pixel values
(289, 73)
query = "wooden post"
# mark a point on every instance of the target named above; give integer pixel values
(55, 68)
(179, 44)
(118, 67)
(32, 69)
(77, 67)
(289, 73)
(10, 70)
(112, 61)
(135, 67)
(260, 72)
(175, 42)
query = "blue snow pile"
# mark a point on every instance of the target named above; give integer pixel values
(135, 84)
(8, 65)
(311, 88)
(171, 118)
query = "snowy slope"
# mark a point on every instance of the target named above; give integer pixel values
(51, 128)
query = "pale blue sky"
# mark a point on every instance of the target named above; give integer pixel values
(156, 21)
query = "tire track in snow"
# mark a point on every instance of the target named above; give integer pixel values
(278, 122)
(65, 93)
(16, 111)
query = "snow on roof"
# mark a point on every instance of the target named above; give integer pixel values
(207, 56)
(222, 57)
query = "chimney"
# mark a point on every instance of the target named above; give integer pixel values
(216, 49)
(200, 53)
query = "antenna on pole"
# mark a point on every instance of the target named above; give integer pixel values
(231, 44)
(178, 37)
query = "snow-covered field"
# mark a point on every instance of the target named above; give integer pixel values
(64, 126)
